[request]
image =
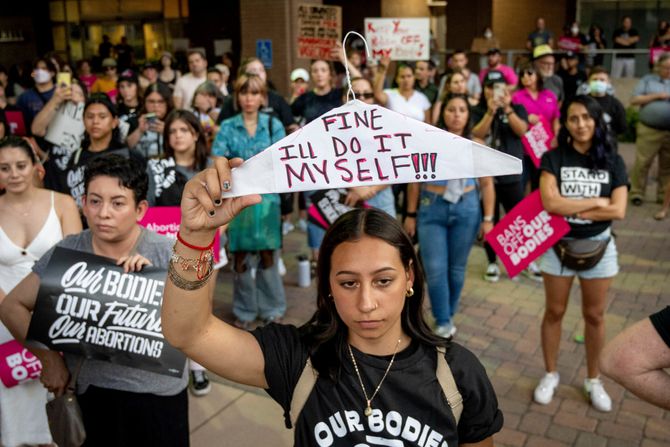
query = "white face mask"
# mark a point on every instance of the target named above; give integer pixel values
(598, 87)
(41, 76)
(488, 34)
(575, 30)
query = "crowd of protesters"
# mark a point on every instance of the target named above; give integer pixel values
(148, 130)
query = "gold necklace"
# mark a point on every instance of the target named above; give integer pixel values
(368, 401)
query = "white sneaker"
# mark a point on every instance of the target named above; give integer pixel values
(223, 259)
(287, 227)
(446, 330)
(533, 272)
(596, 393)
(302, 225)
(492, 273)
(281, 267)
(544, 392)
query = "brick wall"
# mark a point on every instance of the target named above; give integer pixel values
(405, 8)
(276, 21)
(514, 20)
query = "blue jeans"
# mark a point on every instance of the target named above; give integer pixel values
(262, 297)
(446, 233)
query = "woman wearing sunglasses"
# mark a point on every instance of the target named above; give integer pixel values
(541, 104)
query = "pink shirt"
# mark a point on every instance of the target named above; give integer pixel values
(507, 72)
(546, 104)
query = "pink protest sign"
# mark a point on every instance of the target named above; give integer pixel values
(525, 233)
(165, 220)
(537, 141)
(17, 364)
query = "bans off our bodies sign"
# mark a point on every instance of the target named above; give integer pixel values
(525, 233)
(86, 305)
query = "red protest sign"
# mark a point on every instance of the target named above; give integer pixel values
(17, 125)
(537, 141)
(17, 364)
(165, 220)
(525, 233)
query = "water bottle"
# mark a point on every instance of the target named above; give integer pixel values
(304, 279)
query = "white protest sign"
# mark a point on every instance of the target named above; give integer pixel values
(360, 144)
(400, 38)
(66, 129)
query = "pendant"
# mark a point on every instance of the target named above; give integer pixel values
(368, 411)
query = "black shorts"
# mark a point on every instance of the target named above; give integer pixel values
(115, 418)
(661, 321)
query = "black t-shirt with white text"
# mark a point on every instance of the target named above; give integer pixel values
(410, 408)
(577, 181)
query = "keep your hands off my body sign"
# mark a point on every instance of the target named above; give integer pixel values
(86, 305)
(361, 145)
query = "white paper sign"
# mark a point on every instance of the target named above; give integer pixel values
(66, 129)
(361, 144)
(401, 38)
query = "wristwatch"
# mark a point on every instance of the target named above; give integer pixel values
(487, 219)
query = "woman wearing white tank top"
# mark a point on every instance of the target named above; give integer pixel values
(32, 220)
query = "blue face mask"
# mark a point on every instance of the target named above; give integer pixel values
(598, 87)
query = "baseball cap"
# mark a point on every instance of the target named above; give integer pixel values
(493, 51)
(541, 51)
(129, 76)
(299, 73)
(494, 77)
(109, 62)
(571, 55)
(149, 64)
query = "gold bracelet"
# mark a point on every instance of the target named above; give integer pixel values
(186, 284)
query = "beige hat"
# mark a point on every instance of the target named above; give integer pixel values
(541, 51)
(109, 62)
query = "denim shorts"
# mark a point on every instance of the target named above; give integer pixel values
(606, 268)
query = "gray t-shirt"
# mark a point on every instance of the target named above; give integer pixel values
(655, 114)
(157, 249)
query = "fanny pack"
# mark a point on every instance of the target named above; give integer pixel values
(580, 254)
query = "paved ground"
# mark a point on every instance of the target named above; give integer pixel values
(501, 324)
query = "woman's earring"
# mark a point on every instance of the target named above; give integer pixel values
(410, 292)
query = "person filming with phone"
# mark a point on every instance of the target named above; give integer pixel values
(501, 124)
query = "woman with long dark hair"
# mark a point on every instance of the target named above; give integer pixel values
(101, 136)
(184, 155)
(366, 356)
(32, 220)
(448, 222)
(147, 139)
(585, 180)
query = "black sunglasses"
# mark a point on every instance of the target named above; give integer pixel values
(529, 72)
(365, 95)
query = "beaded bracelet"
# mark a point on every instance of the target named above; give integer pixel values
(185, 284)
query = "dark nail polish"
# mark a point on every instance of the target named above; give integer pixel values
(217, 202)
(212, 213)
(226, 185)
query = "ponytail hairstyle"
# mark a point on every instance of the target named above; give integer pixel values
(103, 99)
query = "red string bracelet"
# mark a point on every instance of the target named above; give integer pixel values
(194, 247)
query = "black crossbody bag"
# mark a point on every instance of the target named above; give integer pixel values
(580, 254)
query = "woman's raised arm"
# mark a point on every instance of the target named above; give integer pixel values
(188, 323)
